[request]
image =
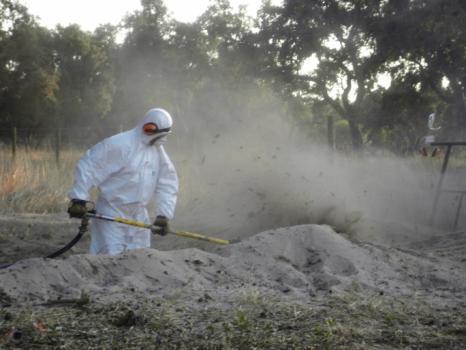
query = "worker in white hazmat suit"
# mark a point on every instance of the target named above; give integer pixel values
(130, 170)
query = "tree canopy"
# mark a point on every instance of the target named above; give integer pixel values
(378, 66)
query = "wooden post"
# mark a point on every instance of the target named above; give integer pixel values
(14, 140)
(57, 145)
(330, 133)
(438, 189)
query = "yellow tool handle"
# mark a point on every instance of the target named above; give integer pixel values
(200, 237)
(132, 223)
(151, 227)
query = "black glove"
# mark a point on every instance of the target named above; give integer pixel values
(162, 225)
(77, 208)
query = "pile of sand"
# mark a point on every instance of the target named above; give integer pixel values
(299, 261)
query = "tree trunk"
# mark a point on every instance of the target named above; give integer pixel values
(356, 137)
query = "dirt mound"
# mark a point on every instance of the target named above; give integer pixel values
(298, 261)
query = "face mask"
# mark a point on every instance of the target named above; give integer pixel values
(158, 140)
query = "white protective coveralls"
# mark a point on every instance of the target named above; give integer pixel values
(129, 170)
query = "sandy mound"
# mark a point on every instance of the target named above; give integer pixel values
(298, 261)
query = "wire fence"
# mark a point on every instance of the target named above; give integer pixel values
(53, 139)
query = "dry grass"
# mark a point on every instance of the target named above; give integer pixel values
(347, 321)
(34, 182)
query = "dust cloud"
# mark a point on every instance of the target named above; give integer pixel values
(250, 169)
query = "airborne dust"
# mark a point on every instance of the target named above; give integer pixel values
(251, 168)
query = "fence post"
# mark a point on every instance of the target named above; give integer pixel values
(57, 145)
(330, 133)
(14, 140)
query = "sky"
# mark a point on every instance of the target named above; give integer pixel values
(90, 13)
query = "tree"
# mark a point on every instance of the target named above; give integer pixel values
(84, 64)
(334, 34)
(144, 62)
(28, 81)
(425, 41)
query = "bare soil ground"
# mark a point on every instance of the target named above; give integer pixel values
(299, 287)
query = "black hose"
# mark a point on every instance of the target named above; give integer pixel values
(68, 246)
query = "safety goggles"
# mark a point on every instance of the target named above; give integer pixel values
(152, 129)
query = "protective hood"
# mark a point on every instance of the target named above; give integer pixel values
(164, 122)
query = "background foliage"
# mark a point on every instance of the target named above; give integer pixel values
(379, 67)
